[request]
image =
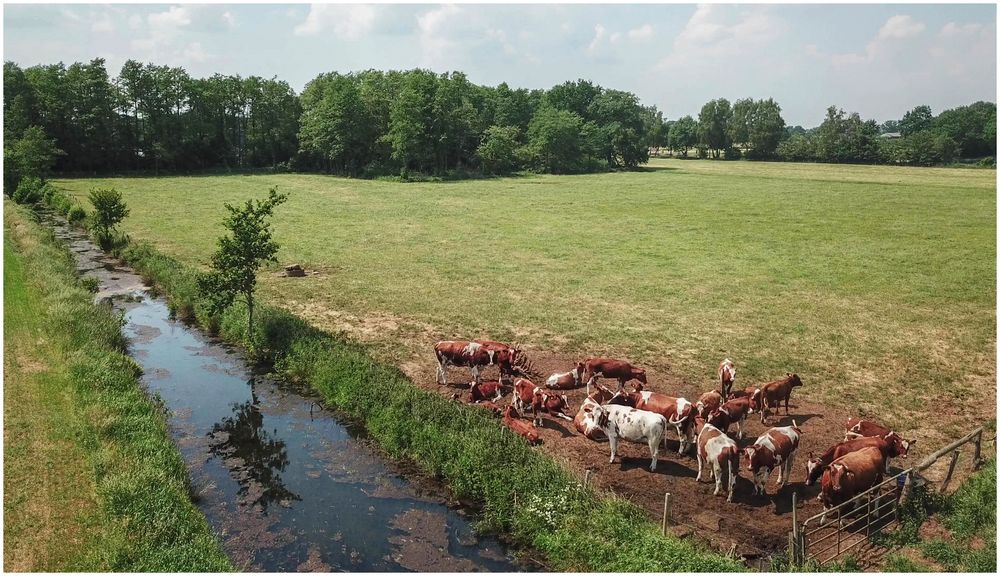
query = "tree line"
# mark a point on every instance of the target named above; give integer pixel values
(151, 118)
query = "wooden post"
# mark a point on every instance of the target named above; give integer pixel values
(795, 552)
(666, 511)
(951, 470)
(975, 455)
(791, 548)
(907, 487)
(586, 478)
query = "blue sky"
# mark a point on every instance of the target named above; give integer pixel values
(879, 60)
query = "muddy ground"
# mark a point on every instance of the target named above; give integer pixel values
(756, 525)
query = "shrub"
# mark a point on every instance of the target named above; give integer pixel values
(76, 214)
(109, 209)
(29, 190)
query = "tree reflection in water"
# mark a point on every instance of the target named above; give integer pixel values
(263, 457)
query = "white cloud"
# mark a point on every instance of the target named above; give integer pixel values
(642, 33)
(711, 36)
(901, 26)
(349, 22)
(174, 18)
(102, 24)
(599, 33)
(195, 53)
(433, 31)
(229, 19)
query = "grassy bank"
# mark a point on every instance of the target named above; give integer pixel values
(522, 494)
(852, 276)
(92, 481)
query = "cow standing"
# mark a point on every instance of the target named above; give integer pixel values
(708, 403)
(727, 375)
(584, 421)
(631, 424)
(771, 394)
(527, 395)
(610, 368)
(734, 411)
(473, 355)
(892, 446)
(722, 456)
(679, 412)
(848, 476)
(773, 449)
(567, 380)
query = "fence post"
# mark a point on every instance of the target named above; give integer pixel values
(586, 478)
(907, 487)
(951, 470)
(795, 549)
(666, 511)
(979, 446)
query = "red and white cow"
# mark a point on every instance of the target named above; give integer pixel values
(679, 412)
(734, 411)
(584, 421)
(892, 446)
(722, 456)
(527, 395)
(527, 431)
(566, 380)
(708, 403)
(631, 424)
(611, 368)
(483, 391)
(771, 394)
(773, 449)
(727, 374)
(848, 476)
(473, 355)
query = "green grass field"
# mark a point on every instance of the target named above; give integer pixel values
(876, 284)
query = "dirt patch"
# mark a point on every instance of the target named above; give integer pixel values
(314, 562)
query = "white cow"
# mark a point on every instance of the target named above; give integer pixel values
(722, 456)
(631, 424)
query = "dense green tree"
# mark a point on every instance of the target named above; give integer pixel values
(620, 117)
(916, 120)
(713, 126)
(972, 127)
(498, 150)
(32, 155)
(411, 124)
(766, 129)
(575, 97)
(683, 135)
(554, 140)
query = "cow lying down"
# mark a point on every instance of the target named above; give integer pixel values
(631, 424)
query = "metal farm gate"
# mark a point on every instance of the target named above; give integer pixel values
(822, 540)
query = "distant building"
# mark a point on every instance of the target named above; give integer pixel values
(891, 135)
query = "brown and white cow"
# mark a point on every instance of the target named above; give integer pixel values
(631, 424)
(584, 421)
(472, 355)
(708, 403)
(527, 431)
(771, 394)
(527, 395)
(727, 374)
(722, 456)
(773, 449)
(566, 380)
(734, 411)
(483, 391)
(892, 446)
(611, 368)
(848, 476)
(679, 412)
(858, 428)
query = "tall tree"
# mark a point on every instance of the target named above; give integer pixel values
(683, 135)
(713, 125)
(916, 120)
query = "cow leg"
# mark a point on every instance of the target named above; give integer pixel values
(654, 451)
(442, 372)
(614, 447)
(621, 385)
(717, 472)
(680, 440)
(475, 374)
(786, 404)
(786, 471)
(739, 426)
(700, 466)
(732, 479)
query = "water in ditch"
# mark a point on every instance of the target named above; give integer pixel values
(285, 485)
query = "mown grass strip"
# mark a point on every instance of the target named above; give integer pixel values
(134, 503)
(523, 494)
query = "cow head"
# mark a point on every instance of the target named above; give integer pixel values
(637, 386)
(837, 472)
(600, 416)
(718, 419)
(578, 373)
(760, 462)
(639, 374)
(814, 469)
(622, 399)
(793, 379)
(756, 401)
(899, 446)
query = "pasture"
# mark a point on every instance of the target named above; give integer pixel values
(875, 284)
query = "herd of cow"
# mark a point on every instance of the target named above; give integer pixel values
(846, 469)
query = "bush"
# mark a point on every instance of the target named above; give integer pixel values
(732, 154)
(29, 191)
(109, 209)
(988, 162)
(76, 214)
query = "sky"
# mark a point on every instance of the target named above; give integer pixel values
(879, 60)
